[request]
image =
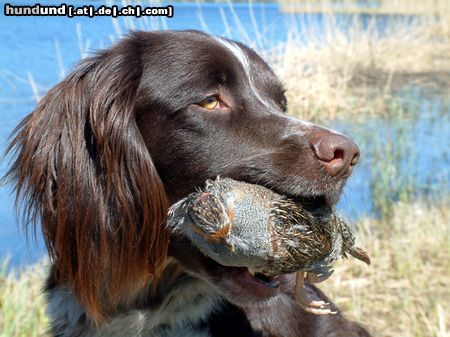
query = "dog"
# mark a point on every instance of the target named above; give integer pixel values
(130, 131)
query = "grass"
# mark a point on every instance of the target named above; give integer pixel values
(403, 293)
(22, 304)
(357, 73)
(394, 177)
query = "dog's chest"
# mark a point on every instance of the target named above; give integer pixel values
(183, 313)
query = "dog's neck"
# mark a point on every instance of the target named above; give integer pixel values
(179, 307)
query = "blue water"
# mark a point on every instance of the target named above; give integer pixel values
(43, 49)
(420, 142)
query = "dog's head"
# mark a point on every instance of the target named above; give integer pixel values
(139, 126)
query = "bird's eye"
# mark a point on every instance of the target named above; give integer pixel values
(210, 103)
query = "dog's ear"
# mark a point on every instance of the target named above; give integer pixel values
(82, 169)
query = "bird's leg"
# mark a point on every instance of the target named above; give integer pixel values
(299, 277)
(309, 305)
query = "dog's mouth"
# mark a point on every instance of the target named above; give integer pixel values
(256, 279)
(243, 286)
(319, 206)
(239, 285)
(311, 203)
(319, 202)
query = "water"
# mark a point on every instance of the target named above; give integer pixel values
(42, 50)
(405, 154)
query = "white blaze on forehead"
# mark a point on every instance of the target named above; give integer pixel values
(241, 55)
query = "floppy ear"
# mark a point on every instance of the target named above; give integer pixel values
(81, 167)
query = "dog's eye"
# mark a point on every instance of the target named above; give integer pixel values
(210, 103)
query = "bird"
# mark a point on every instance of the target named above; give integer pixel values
(247, 225)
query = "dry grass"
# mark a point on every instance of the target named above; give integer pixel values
(22, 304)
(405, 292)
(357, 73)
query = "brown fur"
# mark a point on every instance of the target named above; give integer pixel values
(112, 145)
(82, 171)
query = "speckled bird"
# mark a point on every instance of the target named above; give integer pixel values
(244, 225)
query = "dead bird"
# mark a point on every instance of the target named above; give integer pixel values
(244, 225)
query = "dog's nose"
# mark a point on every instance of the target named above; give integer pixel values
(337, 153)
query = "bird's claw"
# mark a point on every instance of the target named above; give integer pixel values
(309, 305)
(317, 307)
(319, 311)
(317, 304)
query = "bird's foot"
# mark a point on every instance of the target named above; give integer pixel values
(309, 305)
(317, 307)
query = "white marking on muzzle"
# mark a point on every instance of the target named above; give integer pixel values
(309, 126)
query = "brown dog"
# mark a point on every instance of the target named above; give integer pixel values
(137, 127)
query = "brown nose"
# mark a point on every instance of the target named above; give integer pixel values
(338, 154)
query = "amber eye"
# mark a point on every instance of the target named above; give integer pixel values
(210, 103)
